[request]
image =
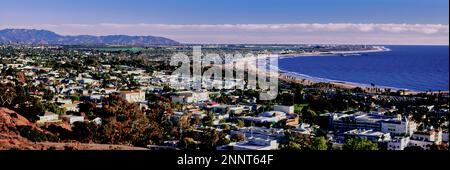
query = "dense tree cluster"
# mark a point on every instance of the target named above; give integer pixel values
(299, 141)
(359, 144)
(122, 123)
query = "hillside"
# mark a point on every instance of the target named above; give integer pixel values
(15, 131)
(44, 37)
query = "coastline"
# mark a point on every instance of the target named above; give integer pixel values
(284, 75)
(334, 53)
(309, 80)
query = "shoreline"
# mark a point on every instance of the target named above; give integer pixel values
(334, 53)
(310, 80)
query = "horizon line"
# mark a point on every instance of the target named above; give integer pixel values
(301, 33)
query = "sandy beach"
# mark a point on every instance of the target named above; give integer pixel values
(308, 80)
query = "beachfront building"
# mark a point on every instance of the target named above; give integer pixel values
(133, 96)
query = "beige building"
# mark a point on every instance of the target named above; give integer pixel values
(133, 96)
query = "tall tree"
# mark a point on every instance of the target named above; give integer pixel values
(319, 143)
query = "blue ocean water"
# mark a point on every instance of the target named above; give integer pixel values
(419, 68)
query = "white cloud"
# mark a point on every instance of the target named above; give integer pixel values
(267, 33)
(390, 28)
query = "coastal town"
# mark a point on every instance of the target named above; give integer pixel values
(71, 95)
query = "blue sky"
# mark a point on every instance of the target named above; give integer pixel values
(84, 17)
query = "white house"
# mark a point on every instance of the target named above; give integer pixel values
(71, 107)
(72, 119)
(189, 97)
(64, 101)
(48, 117)
(97, 121)
(133, 96)
(87, 81)
(218, 117)
(109, 90)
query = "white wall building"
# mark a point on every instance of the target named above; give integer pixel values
(252, 144)
(399, 126)
(189, 97)
(71, 107)
(426, 139)
(48, 117)
(72, 119)
(259, 132)
(285, 109)
(133, 96)
(371, 135)
(398, 144)
(267, 117)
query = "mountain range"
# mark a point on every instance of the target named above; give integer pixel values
(45, 37)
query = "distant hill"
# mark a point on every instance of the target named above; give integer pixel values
(32, 36)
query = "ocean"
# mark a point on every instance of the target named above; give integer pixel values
(418, 68)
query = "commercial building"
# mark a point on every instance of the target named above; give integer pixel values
(259, 132)
(374, 136)
(266, 117)
(252, 144)
(395, 125)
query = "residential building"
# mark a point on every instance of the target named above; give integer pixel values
(425, 139)
(133, 96)
(48, 117)
(72, 118)
(186, 97)
(398, 143)
(71, 107)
